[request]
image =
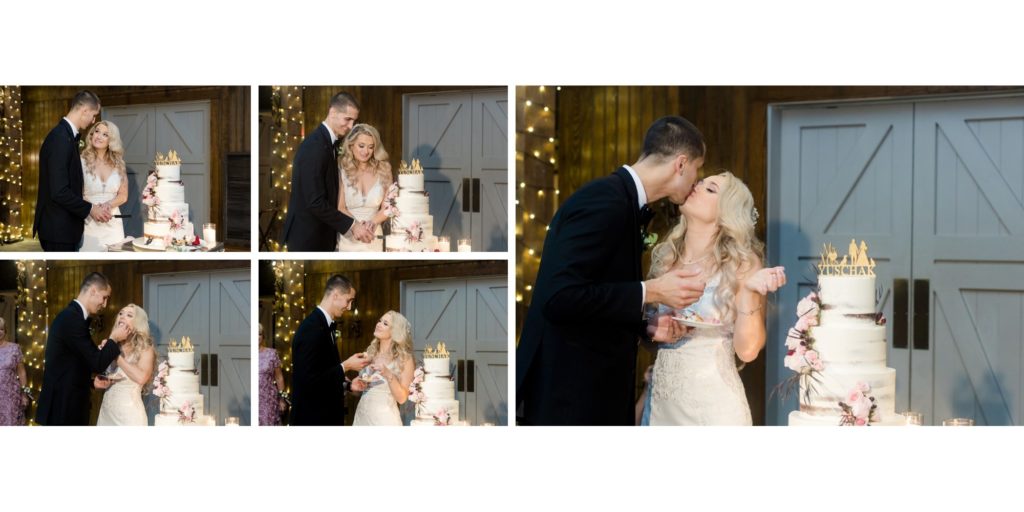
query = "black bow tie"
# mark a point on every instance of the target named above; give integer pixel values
(78, 137)
(646, 214)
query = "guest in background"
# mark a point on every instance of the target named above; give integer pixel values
(272, 403)
(13, 381)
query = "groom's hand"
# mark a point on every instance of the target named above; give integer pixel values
(121, 332)
(676, 288)
(662, 328)
(100, 382)
(358, 385)
(362, 234)
(99, 213)
(357, 362)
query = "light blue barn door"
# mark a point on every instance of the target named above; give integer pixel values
(968, 245)
(837, 173)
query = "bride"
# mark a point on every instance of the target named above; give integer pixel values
(390, 372)
(122, 401)
(696, 380)
(366, 181)
(106, 184)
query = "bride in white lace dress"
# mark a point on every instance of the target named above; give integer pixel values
(696, 380)
(365, 177)
(130, 373)
(389, 374)
(106, 183)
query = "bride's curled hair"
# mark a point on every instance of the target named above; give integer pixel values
(736, 249)
(141, 340)
(378, 160)
(115, 149)
(401, 340)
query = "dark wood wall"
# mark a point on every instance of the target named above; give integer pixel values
(230, 122)
(377, 291)
(601, 128)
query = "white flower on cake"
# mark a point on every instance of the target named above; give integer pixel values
(186, 413)
(149, 197)
(859, 408)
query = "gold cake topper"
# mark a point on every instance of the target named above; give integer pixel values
(184, 346)
(854, 263)
(430, 353)
(415, 168)
(170, 159)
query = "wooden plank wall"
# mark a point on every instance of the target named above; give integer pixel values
(230, 132)
(600, 128)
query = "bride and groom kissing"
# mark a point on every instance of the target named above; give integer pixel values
(592, 308)
(81, 183)
(341, 183)
(122, 364)
(319, 384)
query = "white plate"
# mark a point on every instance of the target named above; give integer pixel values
(696, 324)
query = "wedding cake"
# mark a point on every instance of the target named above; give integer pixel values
(177, 385)
(434, 390)
(838, 347)
(412, 226)
(164, 196)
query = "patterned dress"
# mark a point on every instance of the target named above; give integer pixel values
(11, 412)
(269, 363)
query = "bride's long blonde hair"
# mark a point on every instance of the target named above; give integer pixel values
(378, 160)
(141, 340)
(736, 249)
(401, 340)
(115, 150)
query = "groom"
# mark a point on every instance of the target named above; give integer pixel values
(318, 374)
(71, 358)
(60, 208)
(576, 359)
(313, 221)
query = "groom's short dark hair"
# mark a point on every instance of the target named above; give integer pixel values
(85, 98)
(672, 135)
(343, 100)
(338, 282)
(94, 279)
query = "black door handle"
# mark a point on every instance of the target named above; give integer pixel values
(465, 195)
(476, 195)
(900, 312)
(204, 370)
(922, 307)
(470, 378)
(460, 379)
(213, 370)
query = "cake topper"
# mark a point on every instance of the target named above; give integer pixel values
(855, 263)
(170, 159)
(415, 168)
(440, 353)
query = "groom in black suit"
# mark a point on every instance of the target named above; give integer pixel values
(60, 207)
(318, 374)
(314, 222)
(71, 357)
(576, 358)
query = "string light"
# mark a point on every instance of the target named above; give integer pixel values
(33, 319)
(537, 174)
(289, 310)
(10, 164)
(286, 132)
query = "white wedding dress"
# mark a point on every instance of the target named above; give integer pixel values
(696, 381)
(122, 403)
(363, 208)
(98, 234)
(377, 406)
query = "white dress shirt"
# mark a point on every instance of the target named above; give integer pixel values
(74, 129)
(85, 314)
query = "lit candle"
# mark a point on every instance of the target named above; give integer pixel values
(958, 422)
(912, 419)
(210, 234)
(465, 245)
(231, 421)
(444, 244)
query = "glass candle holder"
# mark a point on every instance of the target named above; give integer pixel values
(913, 419)
(958, 422)
(231, 421)
(210, 234)
(444, 244)
(465, 245)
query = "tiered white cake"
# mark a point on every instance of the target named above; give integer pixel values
(438, 406)
(164, 196)
(839, 346)
(182, 403)
(412, 227)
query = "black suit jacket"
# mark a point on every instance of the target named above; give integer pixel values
(70, 361)
(318, 381)
(60, 207)
(313, 220)
(576, 358)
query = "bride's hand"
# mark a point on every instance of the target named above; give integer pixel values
(766, 280)
(663, 329)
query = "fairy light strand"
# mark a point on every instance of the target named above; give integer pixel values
(286, 133)
(11, 140)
